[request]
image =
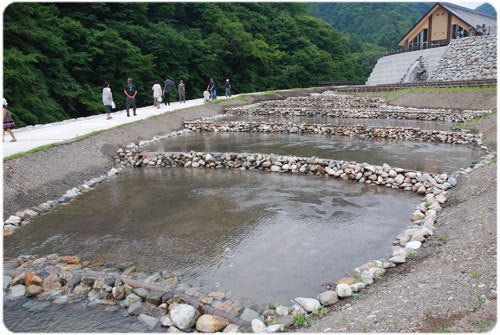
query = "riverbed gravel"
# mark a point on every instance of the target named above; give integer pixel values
(450, 286)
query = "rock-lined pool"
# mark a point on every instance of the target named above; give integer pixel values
(265, 237)
(421, 156)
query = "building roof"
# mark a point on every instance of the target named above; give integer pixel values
(471, 17)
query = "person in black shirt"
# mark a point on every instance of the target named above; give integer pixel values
(130, 91)
(168, 86)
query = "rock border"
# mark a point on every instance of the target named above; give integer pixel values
(274, 319)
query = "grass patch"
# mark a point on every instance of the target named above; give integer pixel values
(482, 326)
(441, 330)
(442, 238)
(20, 154)
(474, 273)
(301, 320)
(412, 255)
(428, 312)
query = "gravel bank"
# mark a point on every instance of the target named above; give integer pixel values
(451, 285)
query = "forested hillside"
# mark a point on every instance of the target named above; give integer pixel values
(379, 23)
(372, 28)
(57, 55)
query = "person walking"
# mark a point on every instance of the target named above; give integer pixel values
(212, 89)
(107, 99)
(182, 92)
(8, 122)
(157, 94)
(168, 87)
(130, 91)
(228, 88)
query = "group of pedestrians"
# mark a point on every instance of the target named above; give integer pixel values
(130, 90)
(211, 90)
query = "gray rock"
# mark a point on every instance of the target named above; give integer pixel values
(141, 292)
(6, 281)
(232, 328)
(275, 328)
(137, 308)
(275, 168)
(258, 326)
(356, 287)
(413, 245)
(398, 259)
(309, 304)
(166, 321)
(149, 321)
(33, 290)
(13, 220)
(328, 298)
(343, 290)
(17, 291)
(249, 314)
(282, 310)
(298, 310)
(184, 316)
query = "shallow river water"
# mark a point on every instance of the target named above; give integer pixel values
(265, 237)
(421, 156)
(262, 237)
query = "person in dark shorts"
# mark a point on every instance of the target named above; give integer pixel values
(130, 91)
(167, 88)
(8, 122)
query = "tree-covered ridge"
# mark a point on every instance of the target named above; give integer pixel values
(381, 23)
(57, 55)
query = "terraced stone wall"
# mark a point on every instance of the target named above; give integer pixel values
(469, 58)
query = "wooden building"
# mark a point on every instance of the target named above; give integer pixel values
(445, 21)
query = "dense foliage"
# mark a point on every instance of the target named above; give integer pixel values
(378, 23)
(57, 55)
(372, 28)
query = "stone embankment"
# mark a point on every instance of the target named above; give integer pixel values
(468, 59)
(331, 104)
(369, 132)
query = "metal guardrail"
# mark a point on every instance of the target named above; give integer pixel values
(398, 86)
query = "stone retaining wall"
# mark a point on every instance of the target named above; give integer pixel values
(469, 58)
(386, 133)
(347, 106)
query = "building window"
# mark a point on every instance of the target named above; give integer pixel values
(457, 31)
(420, 41)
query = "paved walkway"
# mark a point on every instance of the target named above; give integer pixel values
(32, 137)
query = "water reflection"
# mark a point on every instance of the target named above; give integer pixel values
(28, 315)
(421, 156)
(264, 236)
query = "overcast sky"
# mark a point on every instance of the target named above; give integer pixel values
(469, 4)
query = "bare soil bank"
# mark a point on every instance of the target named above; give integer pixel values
(453, 283)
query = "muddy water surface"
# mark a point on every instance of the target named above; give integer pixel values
(266, 237)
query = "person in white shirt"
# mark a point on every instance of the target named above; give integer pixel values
(157, 94)
(107, 99)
